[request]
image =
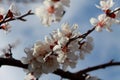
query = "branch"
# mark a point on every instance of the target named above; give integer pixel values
(17, 18)
(80, 75)
(115, 10)
(12, 62)
(102, 66)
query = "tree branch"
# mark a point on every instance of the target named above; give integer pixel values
(80, 75)
(17, 18)
(102, 66)
(12, 62)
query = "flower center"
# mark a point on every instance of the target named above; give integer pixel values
(51, 9)
(101, 23)
(109, 14)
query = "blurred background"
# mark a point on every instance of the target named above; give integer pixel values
(106, 44)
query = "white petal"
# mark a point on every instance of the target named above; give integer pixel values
(48, 3)
(30, 77)
(92, 78)
(57, 48)
(66, 2)
(101, 17)
(61, 57)
(38, 43)
(74, 27)
(110, 3)
(59, 13)
(108, 29)
(63, 41)
(66, 27)
(93, 21)
(40, 11)
(98, 28)
(45, 21)
(2, 11)
(14, 9)
(102, 3)
(59, 33)
(99, 7)
(58, 5)
(24, 60)
(48, 40)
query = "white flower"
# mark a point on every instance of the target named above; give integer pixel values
(55, 52)
(67, 30)
(46, 18)
(14, 9)
(61, 56)
(29, 53)
(105, 4)
(57, 48)
(34, 66)
(59, 12)
(50, 65)
(30, 77)
(63, 41)
(103, 22)
(40, 50)
(51, 11)
(6, 27)
(67, 63)
(86, 47)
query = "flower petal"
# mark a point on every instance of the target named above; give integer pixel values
(110, 3)
(66, 3)
(24, 60)
(101, 17)
(93, 21)
(98, 28)
(14, 9)
(102, 3)
(99, 7)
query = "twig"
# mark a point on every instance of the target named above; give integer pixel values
(17, 18)
(83, 36)
(102, 66)
(115, 10)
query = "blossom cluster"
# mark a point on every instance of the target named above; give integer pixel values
(57, 51)
(108, 18)
(52, 11)
(11, 13)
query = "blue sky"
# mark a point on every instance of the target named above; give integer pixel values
(106, 45)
